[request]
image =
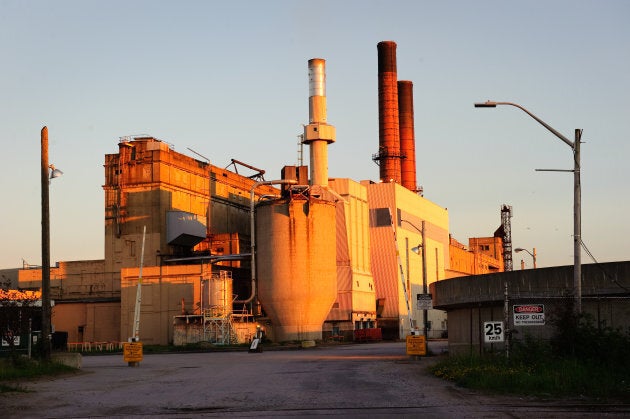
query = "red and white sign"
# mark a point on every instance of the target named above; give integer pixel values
(529, 315)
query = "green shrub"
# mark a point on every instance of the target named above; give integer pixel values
(580, 360)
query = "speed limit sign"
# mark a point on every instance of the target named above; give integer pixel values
(493, 332)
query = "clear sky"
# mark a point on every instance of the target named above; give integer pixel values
(229, 80)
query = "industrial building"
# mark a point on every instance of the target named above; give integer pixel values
(219, 253)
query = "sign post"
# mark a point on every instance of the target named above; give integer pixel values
(493, 332)
(529, 315)
(132, 353)
(132, 350)
(424, 301)
(416, 345)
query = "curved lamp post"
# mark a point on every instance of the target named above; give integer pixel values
(421, 250)
(577, 196)
(533, 255)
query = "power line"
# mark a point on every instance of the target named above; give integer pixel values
(606, 274)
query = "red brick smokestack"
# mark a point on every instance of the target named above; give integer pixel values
(407, 136)
(388, 131)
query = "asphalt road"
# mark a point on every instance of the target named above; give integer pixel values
(364, 380)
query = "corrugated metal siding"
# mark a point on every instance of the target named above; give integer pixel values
(355, 283)
(385, 268)
(406, 205)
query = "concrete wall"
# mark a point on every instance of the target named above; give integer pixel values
(87, 299)
(472, 300)
(88, 322)
(475, 260)
(166, 292)
(146, 179)
(74, 280)
(9, 278)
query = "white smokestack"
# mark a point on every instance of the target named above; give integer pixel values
(318, 134)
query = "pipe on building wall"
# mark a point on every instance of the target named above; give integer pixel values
(407, 135)
(388, 128)
(253, 231)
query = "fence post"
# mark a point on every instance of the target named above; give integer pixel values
(506, 318)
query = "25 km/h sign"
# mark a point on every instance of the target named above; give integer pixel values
(493, 332)
(529, 315)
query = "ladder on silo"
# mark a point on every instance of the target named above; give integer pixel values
(216, 326)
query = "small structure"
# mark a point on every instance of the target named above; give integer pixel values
(470, 301)
(217, 311)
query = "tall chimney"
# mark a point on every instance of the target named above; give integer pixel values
(407, 136)
(388, 131)
(318, 134)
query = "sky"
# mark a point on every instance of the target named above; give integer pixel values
(229, 80)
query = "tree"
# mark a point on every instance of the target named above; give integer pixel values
(17, 310)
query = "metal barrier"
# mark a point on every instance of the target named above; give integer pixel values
(368, 335)
(94, 346)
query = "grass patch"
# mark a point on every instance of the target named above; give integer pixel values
(12, 388)
(581, 360)
(14, 369)
(546, 378)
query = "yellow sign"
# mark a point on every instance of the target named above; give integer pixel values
(416, 345)
(132, 351)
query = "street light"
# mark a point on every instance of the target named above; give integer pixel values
(533, 255)
(577, 196)
(422, 251)
(48, 171)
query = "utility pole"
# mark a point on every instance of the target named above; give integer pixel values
(424, 282)
(46, 314)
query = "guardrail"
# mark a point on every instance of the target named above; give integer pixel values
(94, 346)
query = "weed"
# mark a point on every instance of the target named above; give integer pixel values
(15, 368)
(580, 360)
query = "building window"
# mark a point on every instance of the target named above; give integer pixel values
(132, 247)
(381, 218)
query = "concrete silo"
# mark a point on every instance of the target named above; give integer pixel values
(297, 273)
(296, 244)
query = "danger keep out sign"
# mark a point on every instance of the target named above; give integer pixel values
(529, 315)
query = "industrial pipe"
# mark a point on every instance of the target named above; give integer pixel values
(253, 231)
